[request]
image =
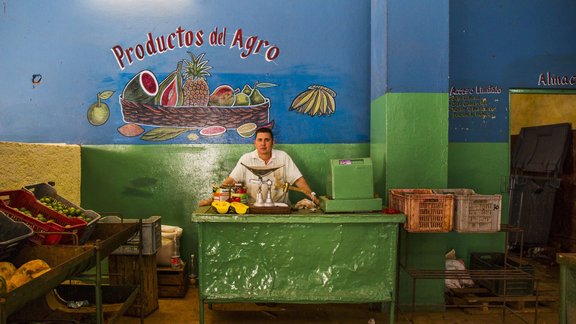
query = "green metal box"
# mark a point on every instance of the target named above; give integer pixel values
(350, 179)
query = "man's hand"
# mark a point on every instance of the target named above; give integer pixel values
(229, 182)
(205, 202)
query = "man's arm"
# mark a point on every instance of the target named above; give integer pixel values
(302, 184)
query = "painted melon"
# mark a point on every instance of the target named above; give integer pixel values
(142, 88)
(170, 89)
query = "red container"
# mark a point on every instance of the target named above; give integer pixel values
(41, 190)
(45, 232)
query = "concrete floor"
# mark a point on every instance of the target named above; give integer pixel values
(185, 310)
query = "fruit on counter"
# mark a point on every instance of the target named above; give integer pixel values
(60, 207)
(41, 217)
(242, 99)
(196, 91)
(170, 89)
(239, 207)
(143, 87)
(28, 271)
(7, 269)
(3, 286)
(25, 211)
(222, 207)
(222, 96)
(256, 97)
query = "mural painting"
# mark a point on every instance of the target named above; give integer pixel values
(197, 75)
(183, 102)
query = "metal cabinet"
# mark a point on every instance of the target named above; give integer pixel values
(297, 258)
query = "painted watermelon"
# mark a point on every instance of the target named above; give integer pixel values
(143, 87)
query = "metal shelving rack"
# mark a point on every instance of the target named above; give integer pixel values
(70, 262)
(509, 273)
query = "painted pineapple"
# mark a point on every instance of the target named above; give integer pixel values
(196, 92)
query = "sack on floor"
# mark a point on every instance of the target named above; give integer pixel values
(170, 235)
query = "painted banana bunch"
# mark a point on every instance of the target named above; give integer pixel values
(317, 100)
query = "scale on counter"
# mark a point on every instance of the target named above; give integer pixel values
(261, 172)
(350, 187)
(267, 206)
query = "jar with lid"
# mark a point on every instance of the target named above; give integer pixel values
(239, 193)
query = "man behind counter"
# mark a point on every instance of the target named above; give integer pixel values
(264, 155)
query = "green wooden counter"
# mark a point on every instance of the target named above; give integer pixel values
(567, 263)
(303, 257)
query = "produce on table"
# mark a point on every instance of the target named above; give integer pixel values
(25, 273)
(58, 206)
(239, 207)
(7, 269)
(222, 207)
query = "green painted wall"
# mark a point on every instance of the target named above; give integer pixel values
(409, 141)
(169, 180)
(485, 168)
(409, 146)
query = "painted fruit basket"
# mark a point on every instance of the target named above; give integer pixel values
(194, 117)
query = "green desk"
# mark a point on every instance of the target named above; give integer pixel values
(301, 257)
(567, 263)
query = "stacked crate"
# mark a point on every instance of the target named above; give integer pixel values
(473, 212)
(172, 282)
(425, 210)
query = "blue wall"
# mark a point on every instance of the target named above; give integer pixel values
(499, 45)
(57, 56)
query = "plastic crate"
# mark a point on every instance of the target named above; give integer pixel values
(12, 235)
(473, 212)
(495, 261)
(45, 232)
(41, 190)
(151, 233)
(425, 211)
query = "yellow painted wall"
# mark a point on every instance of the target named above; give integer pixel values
(540, 109)
(23, 164)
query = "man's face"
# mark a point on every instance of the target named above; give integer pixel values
(263, 143)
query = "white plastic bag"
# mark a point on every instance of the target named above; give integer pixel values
(169, 234)
(461, 281)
